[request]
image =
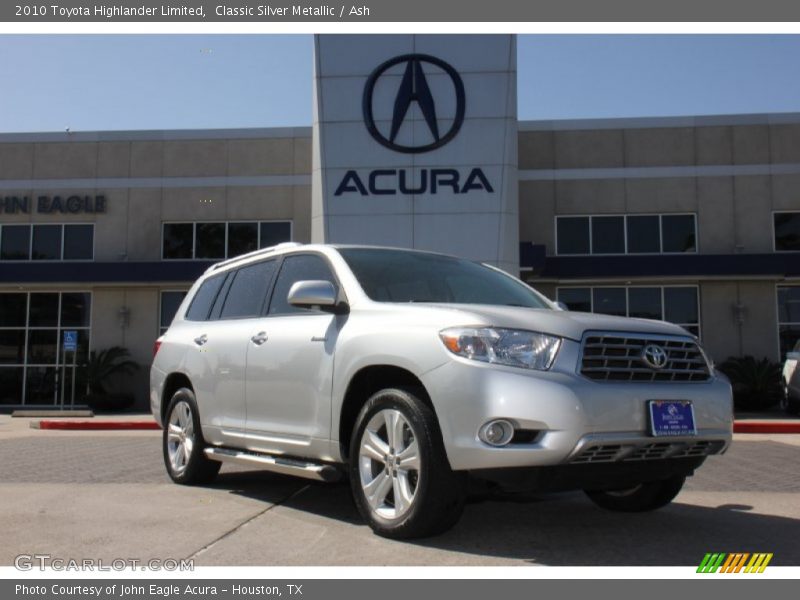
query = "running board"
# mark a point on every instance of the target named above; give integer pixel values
(276, 464)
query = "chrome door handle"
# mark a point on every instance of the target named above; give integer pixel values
(201, 340)
(259, 338)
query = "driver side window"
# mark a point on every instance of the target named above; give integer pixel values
(300, 267)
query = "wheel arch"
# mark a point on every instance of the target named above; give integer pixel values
(172, 384)
(363, 384)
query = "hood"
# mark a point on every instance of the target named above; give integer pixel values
(555, 322)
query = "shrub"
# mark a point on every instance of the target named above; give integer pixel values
(101, 368)
(756, 382)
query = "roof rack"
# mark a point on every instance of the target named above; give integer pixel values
(259, 252)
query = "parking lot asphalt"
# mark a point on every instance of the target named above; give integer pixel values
(105, 495)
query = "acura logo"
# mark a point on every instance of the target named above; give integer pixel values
(414, 88)
(654, 356)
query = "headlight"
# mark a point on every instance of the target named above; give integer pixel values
(513, 347)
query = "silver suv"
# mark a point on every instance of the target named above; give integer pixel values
(425, 377)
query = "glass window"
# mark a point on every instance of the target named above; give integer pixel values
(75, 309)
(645, 303)
(248, 291)
(202, 301)
(42, 346)
(787, 231)
(31, 352)
(275, 232)
(677, 233)
(608, 235)
(178, 240)
(789, 338)
(643, 234)
(242, 238)
(170, 301)
(12, 346)
(44, 310)
(210, 240)
(577, 299)
(408, 276)
(680, 305)
(13, 309)
(788, 318)
(15, 242)
(609, 301)
(216, 308)
(789, 304)
(78, 242)
(11, 385)
(46, 242)
(40, 385)
(302, 267)
(573, 235)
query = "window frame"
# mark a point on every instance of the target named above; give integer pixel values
(774, 232)
(625, 217)
(779, 323)
(661, 287)
(58, 364)
(161, 293)
(227, 224)
(61, 258)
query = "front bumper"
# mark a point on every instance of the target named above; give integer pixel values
(578, 420)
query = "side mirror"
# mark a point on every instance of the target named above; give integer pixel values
(307, 294)
(562, 306)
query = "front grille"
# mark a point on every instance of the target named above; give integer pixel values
(618, 357)
(650, 451)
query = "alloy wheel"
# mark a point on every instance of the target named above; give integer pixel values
(389, 464)
(180, 437)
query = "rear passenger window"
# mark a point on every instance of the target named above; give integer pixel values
(204, 298)
(301, 267)
(248, 291)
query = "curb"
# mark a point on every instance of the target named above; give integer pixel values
(95, 425)
(51, 414)
(766, 426)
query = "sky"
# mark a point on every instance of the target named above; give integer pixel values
(121, 82)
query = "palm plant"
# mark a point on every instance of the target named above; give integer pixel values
(756, 382)
(104, 364)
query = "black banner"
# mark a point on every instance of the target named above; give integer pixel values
(730, 588)
(463, 11)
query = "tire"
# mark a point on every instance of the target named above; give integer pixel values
(789, 404)
(792, 406)
(783, 404)
(431, 495)
(641, 498)
(183, 444)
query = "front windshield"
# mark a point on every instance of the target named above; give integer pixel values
(404, 276)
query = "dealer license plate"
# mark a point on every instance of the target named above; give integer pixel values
(671, 418)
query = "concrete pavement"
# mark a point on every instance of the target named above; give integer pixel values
(105, 495)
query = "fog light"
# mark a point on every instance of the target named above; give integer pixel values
(496, 433)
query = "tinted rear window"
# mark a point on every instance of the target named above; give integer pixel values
(248, 291)
(204, 298)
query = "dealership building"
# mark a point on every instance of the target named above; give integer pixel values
(415, 142)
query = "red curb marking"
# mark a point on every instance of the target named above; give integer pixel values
(766, 427)
(92, 425)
